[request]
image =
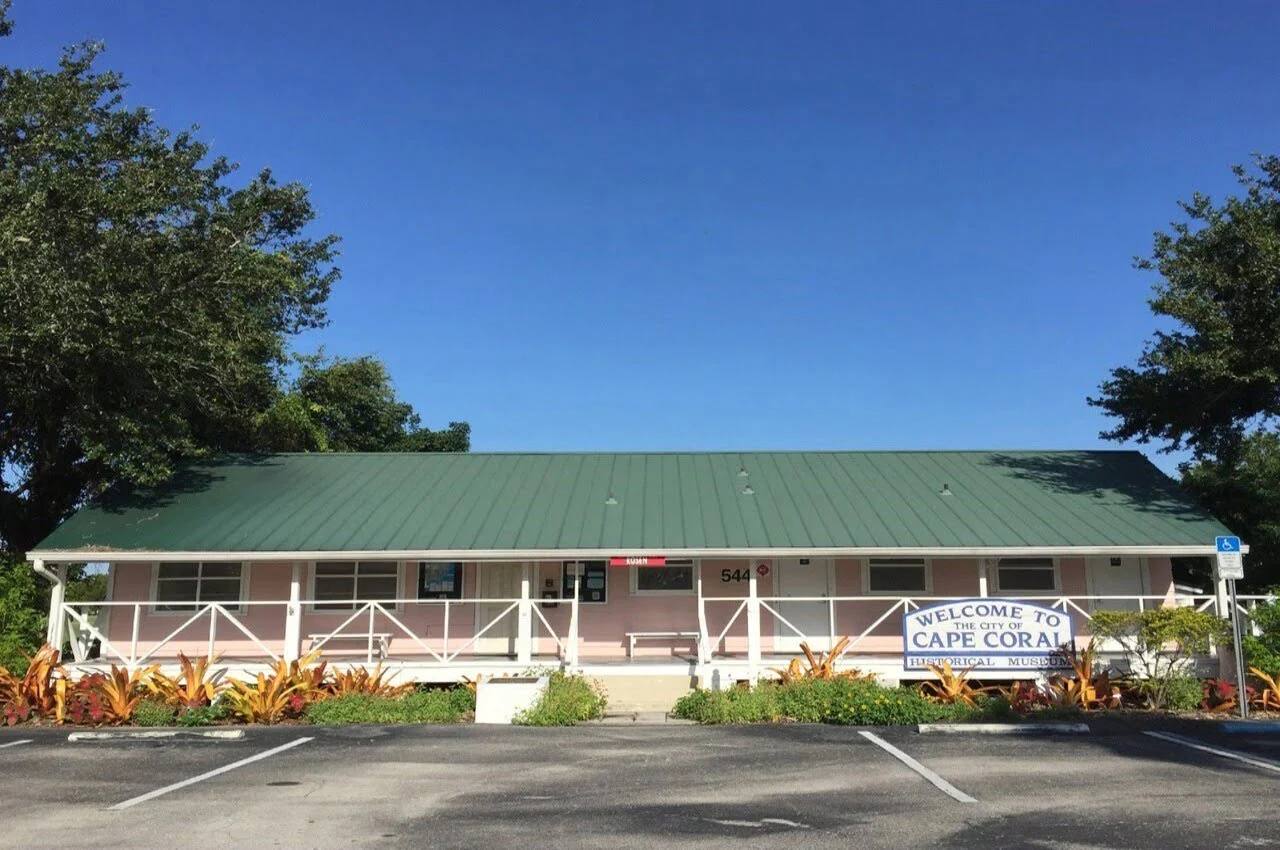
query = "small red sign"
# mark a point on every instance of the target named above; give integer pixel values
(638, 561)
(762, 570)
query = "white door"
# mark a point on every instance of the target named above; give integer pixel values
(497, 581)
(803, 577)
(1116, 577)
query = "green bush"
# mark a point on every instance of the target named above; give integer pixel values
(22, 618)
(1263, 651)
(838, 701)
(152, 713)
(434, 706)
(1146, 637)
(202, 715)
(1176, 693)
(566, 701)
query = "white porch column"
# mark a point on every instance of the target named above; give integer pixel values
(55, 628)
(1223, 600)
(704, 652)
(982, 576)
(573, 620)
(293, 616)
(753, 627)
(524, 623)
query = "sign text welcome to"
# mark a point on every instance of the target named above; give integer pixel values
(991, 634)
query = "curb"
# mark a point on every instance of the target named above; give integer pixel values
(1250, 727)
(642, 718)
(1007, 728)
(215, 734)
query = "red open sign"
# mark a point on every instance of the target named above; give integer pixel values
(638, 561)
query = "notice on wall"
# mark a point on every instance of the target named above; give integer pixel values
(988, 634)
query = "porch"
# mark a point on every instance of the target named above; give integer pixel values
(752, 619)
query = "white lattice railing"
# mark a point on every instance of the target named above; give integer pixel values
(876, 610)
(383, 626)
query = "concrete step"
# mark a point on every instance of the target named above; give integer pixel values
(630, 694)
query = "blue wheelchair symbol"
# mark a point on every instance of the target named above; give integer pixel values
(1228, 544)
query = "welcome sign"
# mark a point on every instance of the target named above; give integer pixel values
(991, 634)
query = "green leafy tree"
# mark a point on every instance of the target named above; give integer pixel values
(350, 405)
(145, 305)
(1210, 384)
(148, 297)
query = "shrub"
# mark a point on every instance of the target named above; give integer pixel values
(285, 694)
(1175, 692)
(151, 712)
(197, 686)
(873, 705)
(952, 686)
(359, 680)
(202, 715)
(1263, 650)
(434, 706)
(566, 701)
(22, 617)
(1145, 637)
(735, 705)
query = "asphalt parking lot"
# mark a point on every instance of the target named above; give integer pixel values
(794, 786)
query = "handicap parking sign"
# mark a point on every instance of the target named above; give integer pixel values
(1228, 544)
(1230, 560)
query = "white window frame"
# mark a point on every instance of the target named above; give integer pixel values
(694, 563)
(866, 578)
(1057, 578)
(155, 603)
(607, 569)
(330, 606)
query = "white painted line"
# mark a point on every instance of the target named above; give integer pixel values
(938, 782)
(1007, 728)
(151, 795)
(131, 735)
(1265, 764)
(15, 743)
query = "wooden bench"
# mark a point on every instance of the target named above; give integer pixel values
(632, 637)
(382, 640)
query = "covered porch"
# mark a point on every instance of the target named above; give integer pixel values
(438, 621)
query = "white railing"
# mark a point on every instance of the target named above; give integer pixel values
(366, 620)
(883, 607)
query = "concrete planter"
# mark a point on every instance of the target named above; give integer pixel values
(500, 700)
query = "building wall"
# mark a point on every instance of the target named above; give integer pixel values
(602, 627)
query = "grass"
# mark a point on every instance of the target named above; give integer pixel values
(433, 706)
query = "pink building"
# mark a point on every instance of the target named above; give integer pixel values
(696, 564)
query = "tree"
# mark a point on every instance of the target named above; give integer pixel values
(349, 405)
(1211, 384)
(147, 305)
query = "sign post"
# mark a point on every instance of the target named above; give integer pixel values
(1230, 566)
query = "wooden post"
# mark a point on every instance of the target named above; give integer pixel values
(573, 618)
(982, 576)
(753, 627)
(524, 622)
(293, 616)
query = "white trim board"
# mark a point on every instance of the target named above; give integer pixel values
(108, 555)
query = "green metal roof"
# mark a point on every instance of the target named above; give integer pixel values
(667, 502)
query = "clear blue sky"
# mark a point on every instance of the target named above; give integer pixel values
(722, 225)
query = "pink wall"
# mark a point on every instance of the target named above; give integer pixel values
(602, 627)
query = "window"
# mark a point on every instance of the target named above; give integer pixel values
(675, 577)
(339, 584)
(185, 587)
(897, 575)
(440, 581)
(595, 581)
(1026, 575)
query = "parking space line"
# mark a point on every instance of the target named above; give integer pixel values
(151, 795)
(15, 743)
(1265, 764)
(937, 781)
